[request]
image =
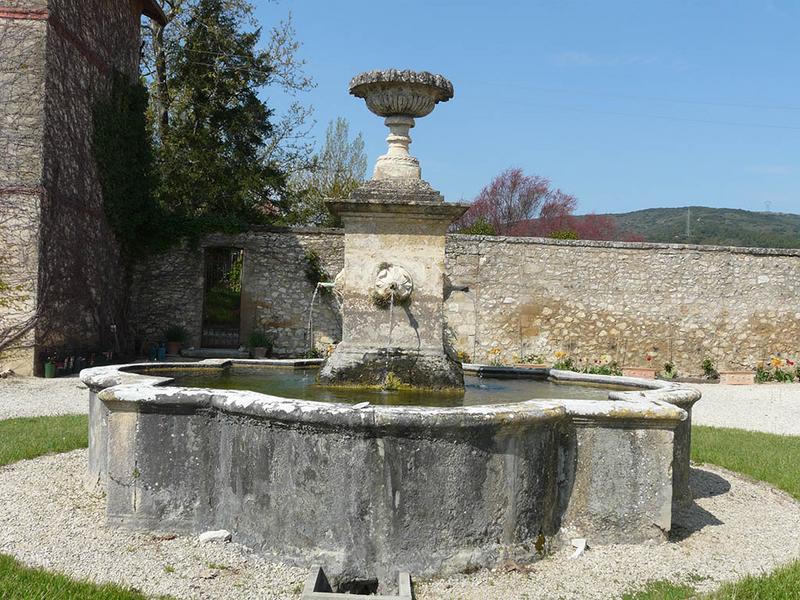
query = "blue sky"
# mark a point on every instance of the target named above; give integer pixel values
(626, 105)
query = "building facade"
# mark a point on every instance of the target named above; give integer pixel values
(57, 60)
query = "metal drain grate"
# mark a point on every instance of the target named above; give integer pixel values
(317, 587)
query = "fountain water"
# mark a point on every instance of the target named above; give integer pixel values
(320, 285)
(389, 339)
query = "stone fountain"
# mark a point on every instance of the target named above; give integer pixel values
(392, 284)
(366, 490)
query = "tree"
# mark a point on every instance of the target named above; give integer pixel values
(335, 172)
(514, 202)
(221, 150)
(124, 154)
(601, 227)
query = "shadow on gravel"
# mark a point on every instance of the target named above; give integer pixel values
(706, 484)
(690, 520)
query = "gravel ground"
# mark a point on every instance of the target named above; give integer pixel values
(48, 519)
(34, 397)
(773, 408)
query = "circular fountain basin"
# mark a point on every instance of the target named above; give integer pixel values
(367, 490)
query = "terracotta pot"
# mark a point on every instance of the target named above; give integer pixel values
(259, 352)
(737, 377)
(639, 372)
(174, 348)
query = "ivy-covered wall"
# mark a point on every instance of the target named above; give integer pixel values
(22, 86)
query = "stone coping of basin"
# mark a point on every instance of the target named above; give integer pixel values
(655, 402)
(647, 389)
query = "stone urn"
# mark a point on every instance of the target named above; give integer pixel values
(400, 97)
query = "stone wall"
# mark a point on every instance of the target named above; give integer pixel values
(57, 58)
(532, 296)
(276, 293)
(22, 92)
(87, 41)
(525, 296)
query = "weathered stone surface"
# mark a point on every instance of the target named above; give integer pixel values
(368, 491)
(276, 293)
(590, 299)
(404, 337)
(524, 296)
(400, 97)
(217, 535)
(369, 366)
(57, 59)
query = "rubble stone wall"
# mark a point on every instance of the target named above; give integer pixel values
(276, 292)
(527, 296)
(524, 296)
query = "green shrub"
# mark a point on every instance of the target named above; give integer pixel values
(479, 227)
(564, 234)
(260, 339)
(176, 333)
(709, 369)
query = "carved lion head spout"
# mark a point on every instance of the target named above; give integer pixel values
(393, 281)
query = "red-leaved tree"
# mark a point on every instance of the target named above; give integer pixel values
(514, 200)
(516, 204)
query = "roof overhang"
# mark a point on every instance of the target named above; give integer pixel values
(150, 8)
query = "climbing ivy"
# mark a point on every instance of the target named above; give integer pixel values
(315, 272)
(123, 151)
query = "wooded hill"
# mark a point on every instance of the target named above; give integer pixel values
(715, 226)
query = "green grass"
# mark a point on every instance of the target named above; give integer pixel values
(782, 584)
(22, 439)
(774, 459)
(18, 582)
(662, 590)
(763, 456)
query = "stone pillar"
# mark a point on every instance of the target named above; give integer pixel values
(394, 246)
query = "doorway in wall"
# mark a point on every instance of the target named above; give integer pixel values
(222, 299)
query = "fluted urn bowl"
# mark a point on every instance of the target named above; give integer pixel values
(391, 92)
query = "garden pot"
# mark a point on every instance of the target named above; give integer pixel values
(162, 353)
(259, 352)
(737, 377)
(49, 370)
(173, 348)
(639, 372)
